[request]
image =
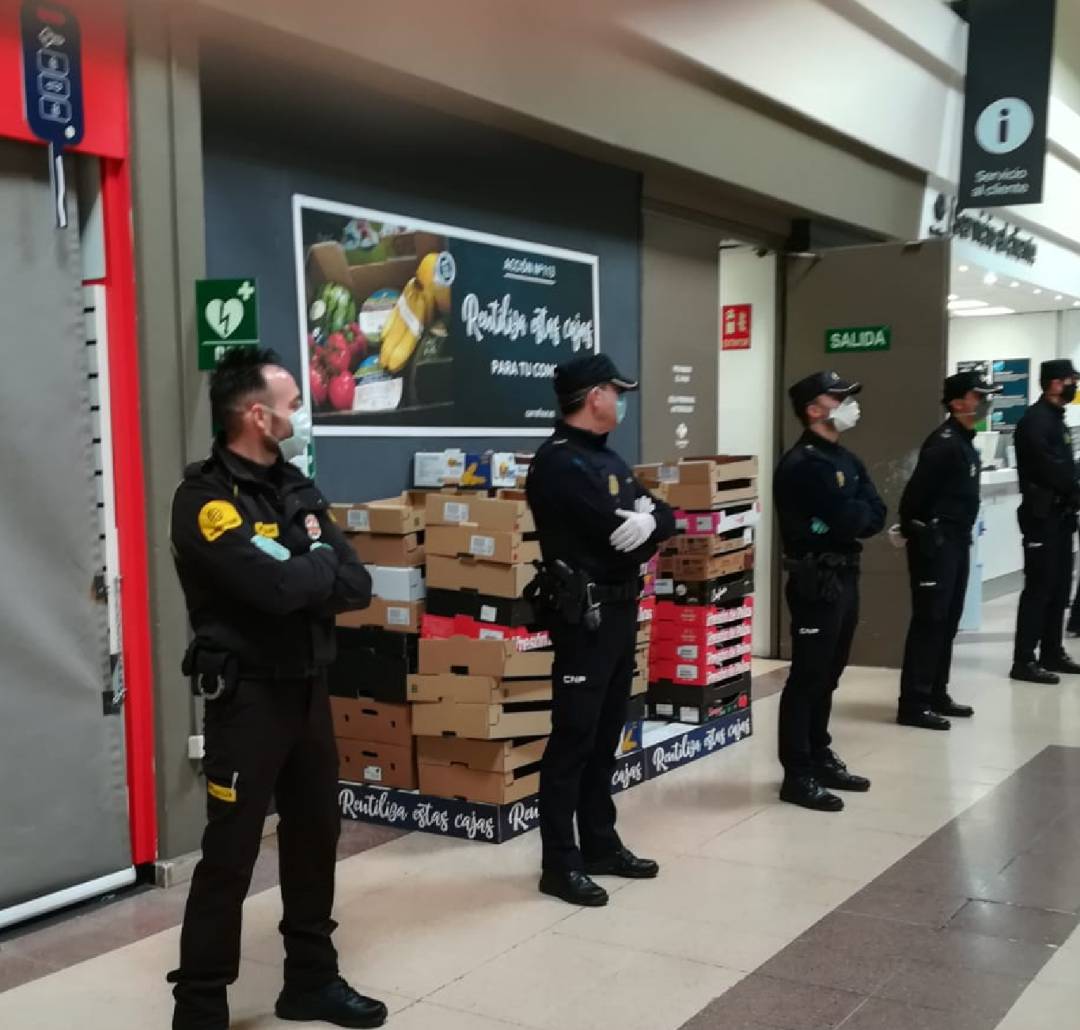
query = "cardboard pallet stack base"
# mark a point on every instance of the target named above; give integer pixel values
(666, 747)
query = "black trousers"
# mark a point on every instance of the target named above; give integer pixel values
(272, 740)
(591, 687)
(1047, 585)
(821, 636)
(939, 578)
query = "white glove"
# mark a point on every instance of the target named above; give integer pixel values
(896, 537)
(638, 527)
(645, 505)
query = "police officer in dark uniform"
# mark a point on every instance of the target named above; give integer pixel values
(597, 525)
(264, 570)
(826, 504)
(1049, 501)
(938, 510)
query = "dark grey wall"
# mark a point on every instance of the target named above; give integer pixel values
(380, 153)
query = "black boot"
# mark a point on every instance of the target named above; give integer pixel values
(945, 705)
(831, 772)
(1062, 663)
(922, 719)
(1029, 672)
(806, 792)
(573, 886)
(623, 863)
(336, 1003)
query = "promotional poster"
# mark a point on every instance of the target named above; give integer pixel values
(412, 328)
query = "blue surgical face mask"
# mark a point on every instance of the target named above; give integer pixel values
(620, 407)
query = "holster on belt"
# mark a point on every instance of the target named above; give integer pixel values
(560, 592)
(816, 577)
(212, 673)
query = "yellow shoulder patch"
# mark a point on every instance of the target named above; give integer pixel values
(217, 518)
(613, 485)
(269, 530)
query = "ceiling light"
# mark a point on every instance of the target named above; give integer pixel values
(1076, 303)
(1014, 284)
(1059, 297)
(954, 296)
(990, 278)
(966, 305)
(984, 311)
(962, 268)
(1036, 291)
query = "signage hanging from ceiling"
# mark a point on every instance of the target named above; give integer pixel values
(983, 229)
(1007, 93)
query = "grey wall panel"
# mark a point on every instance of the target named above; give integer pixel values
(680, 334)
(905, 287)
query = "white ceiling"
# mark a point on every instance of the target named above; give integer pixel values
(967, 282)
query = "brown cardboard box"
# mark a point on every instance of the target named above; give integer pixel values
(701, 568)
(385, 765)
(360, 718)
(507, 511)
(327, 262)
(498, 659)
(480, 577)
(639, 685)
(399, 616)
(644, 632)
(495, 771)
(495, 545)
(710, 482)
(477, 690)
(396, 516)
(480, 722)
(713, 545)
(482, 755)
(388, 550)
(493, 788)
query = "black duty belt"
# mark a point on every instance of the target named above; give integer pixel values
(826, 560)
(602, 593)
(278, 673)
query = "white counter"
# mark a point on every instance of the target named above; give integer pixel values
(999, 548)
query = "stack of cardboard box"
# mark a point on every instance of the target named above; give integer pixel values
(378, 647)
(480, 560)
(699, 666)
(481, 715)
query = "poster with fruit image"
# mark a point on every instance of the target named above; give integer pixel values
(410, 328)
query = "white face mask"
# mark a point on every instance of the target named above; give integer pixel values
(846, 415)
(296, 445)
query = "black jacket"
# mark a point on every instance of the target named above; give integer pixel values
(825, 499)
(575, 484)
(1044, 459)
(263, 566)
(945, 484)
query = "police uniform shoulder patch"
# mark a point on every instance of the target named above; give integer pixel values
(613, 485)
(216, 518)
(313, 527)
(270, 530)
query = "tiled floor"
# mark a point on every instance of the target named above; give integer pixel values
(945, 899)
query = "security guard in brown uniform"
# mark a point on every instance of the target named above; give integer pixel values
(264, 570)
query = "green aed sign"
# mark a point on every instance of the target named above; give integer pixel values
(858, 339)
(227, 315)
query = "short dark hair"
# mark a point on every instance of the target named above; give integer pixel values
(800, 412)
(572, 403)
(238, 377)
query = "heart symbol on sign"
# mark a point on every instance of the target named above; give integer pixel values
(224, 317)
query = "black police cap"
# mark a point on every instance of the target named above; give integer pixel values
(588, 371)
(961, 384)
(805, 390)
(1058, 368)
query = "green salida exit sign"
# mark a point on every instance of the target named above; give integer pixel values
(858, 339)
